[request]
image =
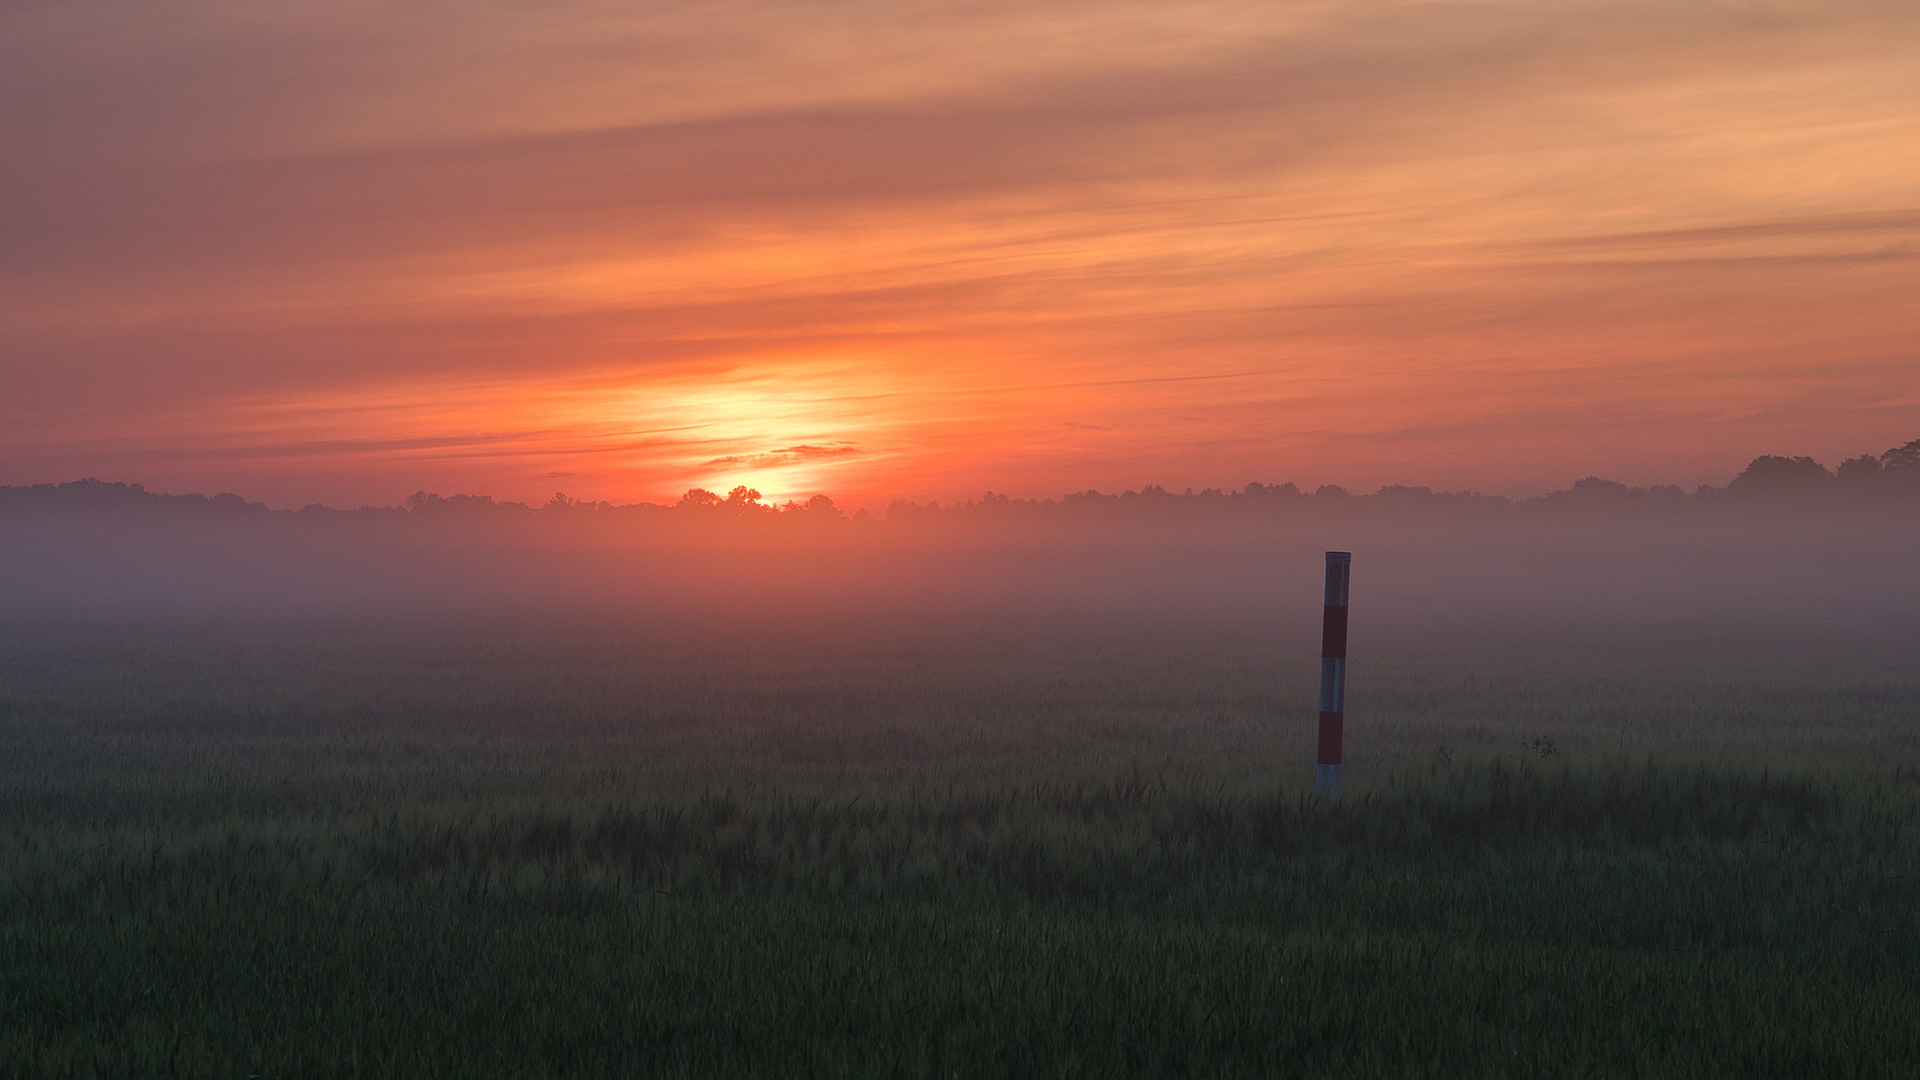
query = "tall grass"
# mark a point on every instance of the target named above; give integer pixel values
(1047, 868)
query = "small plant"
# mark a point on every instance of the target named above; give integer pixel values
(1544, 748)
(1443, 755)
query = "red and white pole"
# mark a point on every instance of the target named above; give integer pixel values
(1333, 674)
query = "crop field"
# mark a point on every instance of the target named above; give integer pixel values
(547, 849)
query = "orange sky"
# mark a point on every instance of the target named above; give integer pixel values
(343, 252)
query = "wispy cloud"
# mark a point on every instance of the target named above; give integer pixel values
(791, 455)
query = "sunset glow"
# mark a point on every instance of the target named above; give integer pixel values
(341, 254)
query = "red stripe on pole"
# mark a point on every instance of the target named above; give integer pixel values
(1330, 733)
(1333, 633)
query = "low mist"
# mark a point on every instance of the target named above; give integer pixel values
(1596, 556)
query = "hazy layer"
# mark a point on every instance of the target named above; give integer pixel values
(1421, 561)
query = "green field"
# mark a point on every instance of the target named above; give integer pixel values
(1039, 850)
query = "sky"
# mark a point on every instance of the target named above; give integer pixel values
(341, 252)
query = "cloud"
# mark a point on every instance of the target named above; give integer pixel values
(1872, 223)
(791, 455)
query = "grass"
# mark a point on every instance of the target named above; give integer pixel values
(403, 850)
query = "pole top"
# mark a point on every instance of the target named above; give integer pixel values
(1340, 556)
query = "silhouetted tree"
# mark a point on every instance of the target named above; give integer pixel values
(1287, 490)
(1902, 465)
(744, 498)
(422, 502)
(1860, 474)
(902, 510)
(1595, 488)
(1777, 476)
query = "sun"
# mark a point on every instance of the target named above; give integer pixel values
(789, 430)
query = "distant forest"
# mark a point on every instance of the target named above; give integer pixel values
(1892, 478)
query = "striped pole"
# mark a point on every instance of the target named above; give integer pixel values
(1333, 674)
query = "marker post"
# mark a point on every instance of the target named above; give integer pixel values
(1333, 675)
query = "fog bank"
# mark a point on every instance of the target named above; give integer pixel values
(1795, 559)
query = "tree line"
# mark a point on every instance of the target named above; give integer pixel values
(1889, 478)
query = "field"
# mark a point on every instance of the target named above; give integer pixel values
(428, 849)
